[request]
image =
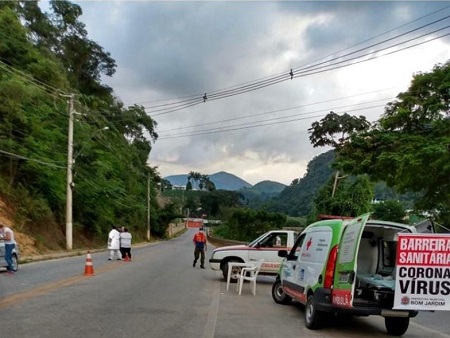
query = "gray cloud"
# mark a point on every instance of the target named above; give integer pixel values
(173, 49)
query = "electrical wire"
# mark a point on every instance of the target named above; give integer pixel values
(12, 155)
(237, 90)
(50, 90)
(269, 112)
(264, 122)
(312, 62)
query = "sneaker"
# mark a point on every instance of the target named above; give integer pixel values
(193, 264)
(109, 259)
(119, 259)
(202, 267)
(10, 273)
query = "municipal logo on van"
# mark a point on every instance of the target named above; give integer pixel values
(405, 300)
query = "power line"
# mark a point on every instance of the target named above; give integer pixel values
(52, 91)
(261, 124)
(31, 159)
(334, 53)
(236, 90)
(273, 111)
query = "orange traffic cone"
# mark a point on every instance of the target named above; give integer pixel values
(89, 267)
(127, 259)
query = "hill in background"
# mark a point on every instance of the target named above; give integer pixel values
(297, 199)
(222, 180)
(262, 191)
(269, 187)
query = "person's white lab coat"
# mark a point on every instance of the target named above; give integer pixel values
(114, 240)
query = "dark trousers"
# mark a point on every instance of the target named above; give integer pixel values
(201, 253)
(125, 251)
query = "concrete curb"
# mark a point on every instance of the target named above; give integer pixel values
(64, 254)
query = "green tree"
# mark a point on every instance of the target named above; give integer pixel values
(45, 55)
(349, 199)
(246, 225)
(390, 210)
(334, 130)
(353, 198)
(409, 146)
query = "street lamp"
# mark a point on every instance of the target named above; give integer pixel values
(85, 144)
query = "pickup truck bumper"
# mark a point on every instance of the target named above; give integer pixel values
(214, 264)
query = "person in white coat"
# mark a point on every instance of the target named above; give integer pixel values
(114, 244)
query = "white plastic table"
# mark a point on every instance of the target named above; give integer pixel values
(233, 264)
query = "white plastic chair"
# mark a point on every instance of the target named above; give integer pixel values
(250, 274)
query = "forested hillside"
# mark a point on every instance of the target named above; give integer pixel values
(50, 73)
(297, 198)
(260, 193)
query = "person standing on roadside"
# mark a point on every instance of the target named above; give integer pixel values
(125, 243)
(114, 244)
(200, 248)
(8, 236)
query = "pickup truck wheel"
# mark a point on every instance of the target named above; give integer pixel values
(234, 273)
(278, 294)
(396, 326)
(313, 318)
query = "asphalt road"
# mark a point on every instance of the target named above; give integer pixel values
(160, 294)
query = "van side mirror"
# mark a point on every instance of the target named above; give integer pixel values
(282, 253)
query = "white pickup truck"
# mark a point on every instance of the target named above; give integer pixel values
(264, 247)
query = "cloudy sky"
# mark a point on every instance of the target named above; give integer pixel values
(346, 57)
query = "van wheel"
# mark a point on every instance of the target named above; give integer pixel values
(396, 326)
(313, 318)
(234, 273)
(278, 294)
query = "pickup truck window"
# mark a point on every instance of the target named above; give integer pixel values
(256, 241)
(274, 240)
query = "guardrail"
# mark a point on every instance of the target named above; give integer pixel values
(175, 228)
(218, 242)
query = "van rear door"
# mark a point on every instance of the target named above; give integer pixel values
(346, 264)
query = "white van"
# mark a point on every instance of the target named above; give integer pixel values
(344, 267)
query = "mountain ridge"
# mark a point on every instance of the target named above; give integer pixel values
(226, 181)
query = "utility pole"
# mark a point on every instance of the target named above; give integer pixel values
(148, 207)
(69, 225)
(336, 178)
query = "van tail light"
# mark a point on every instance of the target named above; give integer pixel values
(331, 265)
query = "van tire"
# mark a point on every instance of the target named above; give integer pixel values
(278, 294)
(396, 326)
(313, 318)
